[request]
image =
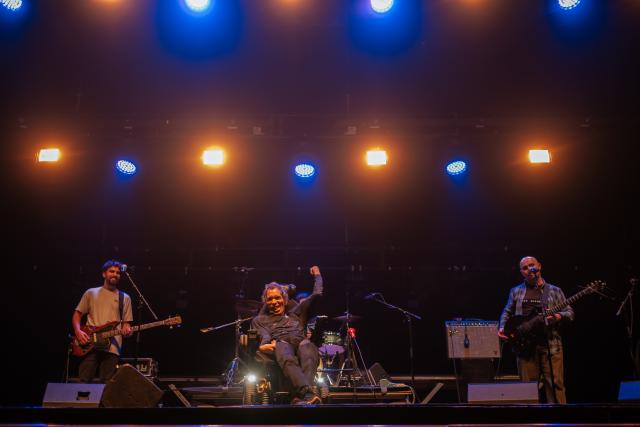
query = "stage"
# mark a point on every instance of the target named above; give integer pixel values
(344, 414)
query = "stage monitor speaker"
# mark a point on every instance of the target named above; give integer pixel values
(629, 391)
(130, 389)
(469, 339)
(378, 373)
(72, 395)
(503, 393)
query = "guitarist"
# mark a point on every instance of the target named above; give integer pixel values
(544, 356)
(102, 305)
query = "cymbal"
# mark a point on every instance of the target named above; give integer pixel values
(348, 317)
(247, 306)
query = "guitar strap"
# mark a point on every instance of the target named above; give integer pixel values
(121, 304)
(545, 298)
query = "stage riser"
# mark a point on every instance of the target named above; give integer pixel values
(331, 414)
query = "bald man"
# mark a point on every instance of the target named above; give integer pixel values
(528, 297)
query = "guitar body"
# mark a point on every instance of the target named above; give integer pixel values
(100, 336)
(524, 332)
(96, 341)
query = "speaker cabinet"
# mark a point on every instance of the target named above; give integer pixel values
(130, 389)
(72, 395)
(469, 339)
(503, 393)
(629, 391)
(378, 372)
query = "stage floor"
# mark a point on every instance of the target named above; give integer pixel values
(333, 414)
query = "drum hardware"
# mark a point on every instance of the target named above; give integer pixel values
(243, 307)
(350, 372)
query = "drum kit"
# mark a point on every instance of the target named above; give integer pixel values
(339, 353)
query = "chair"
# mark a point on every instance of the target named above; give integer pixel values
(271, 385)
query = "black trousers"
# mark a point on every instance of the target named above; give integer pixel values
(299, 363)
(102, 363)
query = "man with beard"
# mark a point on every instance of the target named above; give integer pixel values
(102, 305)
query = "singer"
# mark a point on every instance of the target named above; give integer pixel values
(102, 305)
(545, 352)
(281, 325)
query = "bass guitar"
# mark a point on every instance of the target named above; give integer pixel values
(99, 336)
(523, 331)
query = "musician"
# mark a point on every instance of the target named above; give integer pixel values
(529, 296)
(102, 305)
(281, 325)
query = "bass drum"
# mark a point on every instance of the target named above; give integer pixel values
(330, 365)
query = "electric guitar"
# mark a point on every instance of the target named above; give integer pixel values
(523, 330)
(99, 336)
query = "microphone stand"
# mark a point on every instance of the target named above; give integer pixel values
(408, 317)
(141, 301)
(233, 365)
(629, 318)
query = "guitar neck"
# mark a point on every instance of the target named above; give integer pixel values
(559, 307)
(114, 332)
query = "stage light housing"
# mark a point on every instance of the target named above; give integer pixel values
(126, 167)
(198, 6)
(304, 170)
(457, 167)
(539, 156)
(49, 155)
(568, 4)
(381, 6)
(12, 5)
(213, 157)
(377, 157)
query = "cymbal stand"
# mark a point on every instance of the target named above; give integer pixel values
(350, 365)
(233, 366)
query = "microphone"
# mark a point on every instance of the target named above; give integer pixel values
(533, 270)
(372, 295)
(123, 268)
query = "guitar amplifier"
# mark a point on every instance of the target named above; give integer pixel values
(145, 365)
(472, 339)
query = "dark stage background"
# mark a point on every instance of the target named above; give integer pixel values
(485, 83)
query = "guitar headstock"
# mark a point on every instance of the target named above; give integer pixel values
(173, 321)
(596, 285)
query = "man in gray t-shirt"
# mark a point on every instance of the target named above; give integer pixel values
(101, 305)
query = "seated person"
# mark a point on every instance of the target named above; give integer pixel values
(281, 325)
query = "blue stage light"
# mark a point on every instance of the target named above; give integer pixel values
(381, 6)
(11, 4)
(456, 167)
(568, 4)
(126, 167)
(305, 170)
(198, 6)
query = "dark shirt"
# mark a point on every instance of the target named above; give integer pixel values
(532, 300)
(290, 326)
